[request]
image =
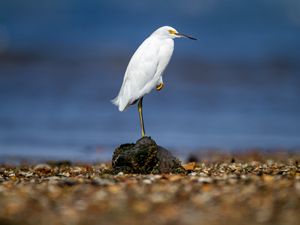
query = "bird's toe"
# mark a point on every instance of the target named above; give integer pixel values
(160, 86)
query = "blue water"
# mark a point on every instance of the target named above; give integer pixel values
(61, 62)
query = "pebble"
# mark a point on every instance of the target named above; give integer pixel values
(42, 168)
(147, 181)
(102, 181)
(205, 180)
(67, 182)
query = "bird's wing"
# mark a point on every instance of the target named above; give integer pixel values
(144, 62)
(141, 70)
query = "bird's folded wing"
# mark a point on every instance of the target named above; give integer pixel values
(142, 68)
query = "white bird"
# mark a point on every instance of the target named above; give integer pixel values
(145, 69)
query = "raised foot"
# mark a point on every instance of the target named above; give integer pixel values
(160, 86)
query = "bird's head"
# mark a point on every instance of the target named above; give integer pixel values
(170, 32)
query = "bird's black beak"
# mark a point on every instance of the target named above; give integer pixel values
(186, 36)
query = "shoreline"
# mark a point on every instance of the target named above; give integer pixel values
(103, 156)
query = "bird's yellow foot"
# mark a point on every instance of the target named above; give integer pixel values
(160, 86)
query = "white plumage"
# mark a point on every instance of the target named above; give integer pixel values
(146, 66)
(145, 69)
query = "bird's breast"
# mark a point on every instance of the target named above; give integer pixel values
(167, 47)
(165, 54)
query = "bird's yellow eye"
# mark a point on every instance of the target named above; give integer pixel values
(172, 32)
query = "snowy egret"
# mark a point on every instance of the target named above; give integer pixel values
(145, 69)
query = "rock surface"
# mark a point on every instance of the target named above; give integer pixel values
(145, 157)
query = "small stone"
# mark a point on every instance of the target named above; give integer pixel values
(52, 178)
(42, 168)
(175, 177)
(147, 181)
(189, 166)
(193, 174)
(67, 182)
(65, 174)
(76, 170)
(206, 180)
(26, 174)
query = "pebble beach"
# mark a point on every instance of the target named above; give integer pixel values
(218, 189)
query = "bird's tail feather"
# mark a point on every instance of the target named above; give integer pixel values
(115, 101)
(118, 102)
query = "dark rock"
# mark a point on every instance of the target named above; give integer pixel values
(60, 163)
(67, 182)
(192, 158)
(145, 157)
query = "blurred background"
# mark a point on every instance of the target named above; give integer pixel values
(62, 61)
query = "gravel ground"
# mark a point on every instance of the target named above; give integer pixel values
(246, 189)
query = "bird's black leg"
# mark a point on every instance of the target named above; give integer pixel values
(134, 102)
(140, 109)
